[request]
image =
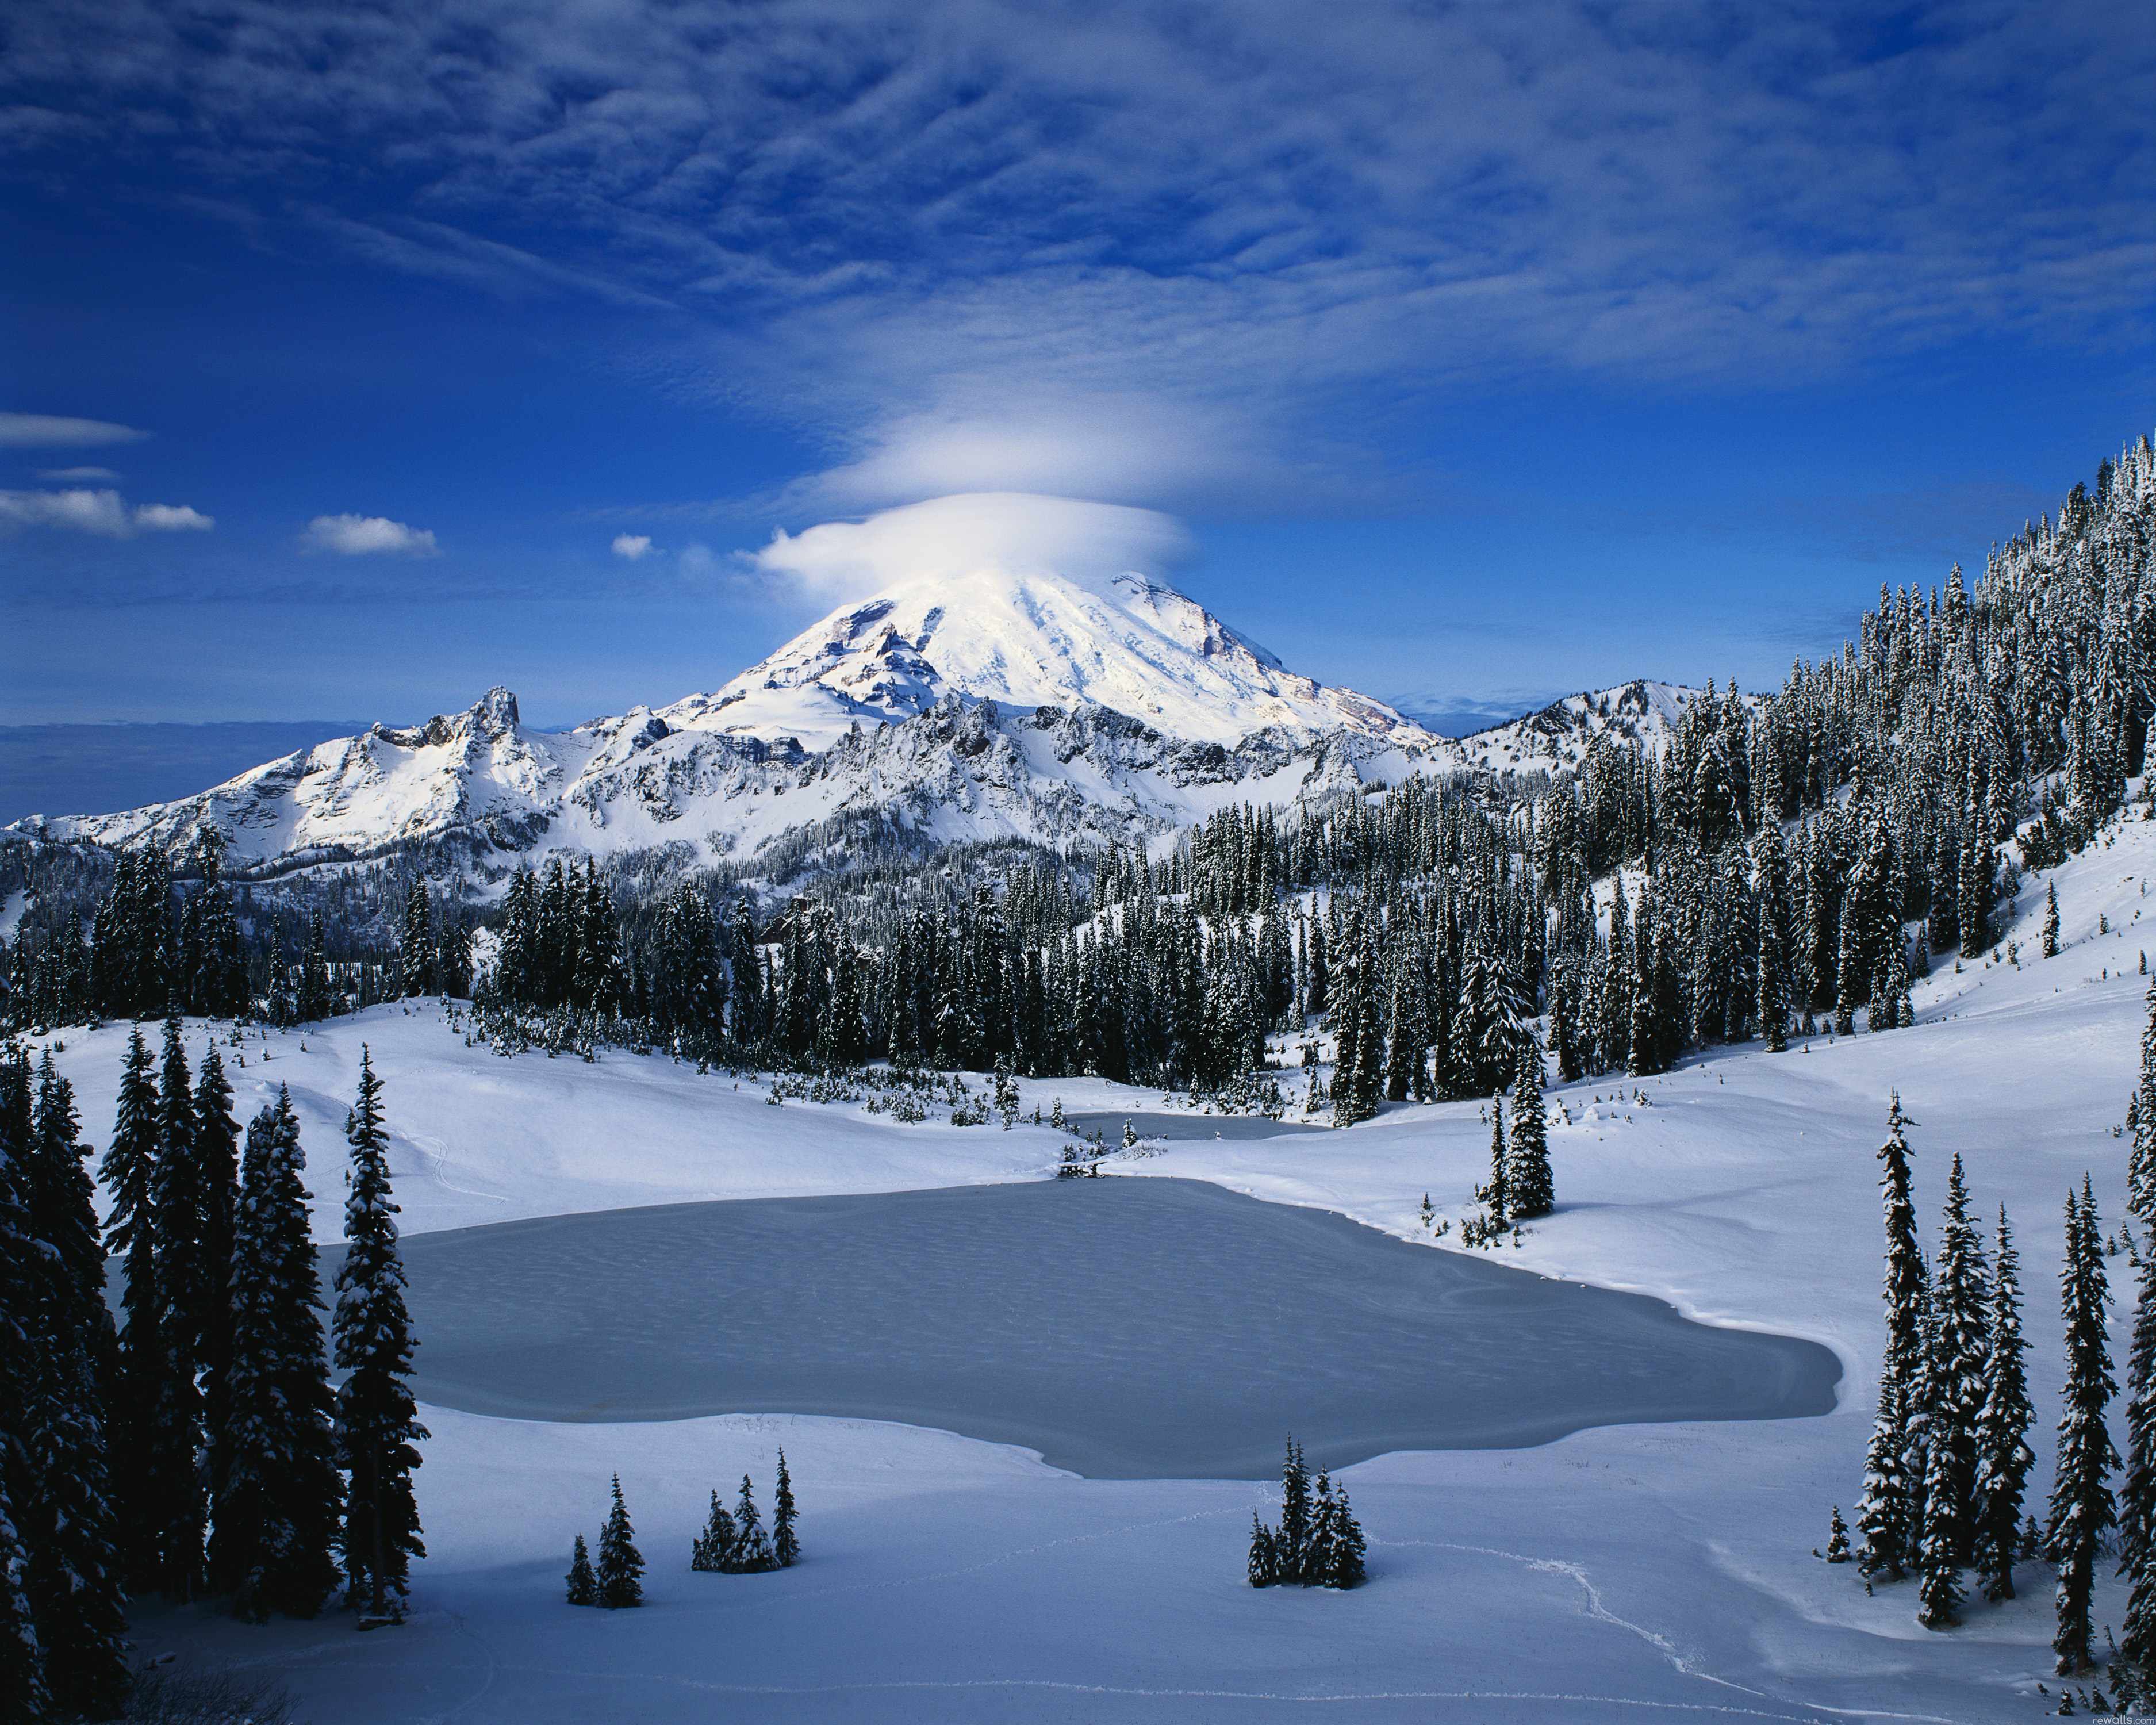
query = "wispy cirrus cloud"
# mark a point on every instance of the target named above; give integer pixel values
(56, 431)
(1160, 255)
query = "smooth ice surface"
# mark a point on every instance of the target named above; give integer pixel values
(1125, 1329)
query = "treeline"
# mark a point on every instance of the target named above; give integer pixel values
(162, 940)
(197, 1451)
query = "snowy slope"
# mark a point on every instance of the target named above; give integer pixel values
(1626, 1573)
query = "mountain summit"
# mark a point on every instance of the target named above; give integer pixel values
(1031, 638)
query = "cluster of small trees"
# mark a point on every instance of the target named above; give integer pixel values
(1318, 1542)
(733, 1542)
(1949, 1460)
(199, 1451)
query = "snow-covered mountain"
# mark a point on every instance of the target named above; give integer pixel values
(1032, 639)
(989, 704)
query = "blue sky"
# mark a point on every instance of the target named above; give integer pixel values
(1483, 352)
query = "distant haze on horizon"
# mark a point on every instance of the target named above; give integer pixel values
(1464, 358)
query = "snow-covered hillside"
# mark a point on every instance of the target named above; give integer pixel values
(1621, 1573)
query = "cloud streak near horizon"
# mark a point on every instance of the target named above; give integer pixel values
(1209, 258)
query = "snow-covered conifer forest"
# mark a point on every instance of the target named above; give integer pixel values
(1703, 1018)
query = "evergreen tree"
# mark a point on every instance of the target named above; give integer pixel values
(2082, 1507)
(715, 1547)
(2136, 1506)
(785, 1547)
(276, 1530)
(217, 1162)
(1265, 1563)
(176, 1506)
(1496, 1196)
(2141, 1167)
(22, 1280)
(620, 1574)
(2050, 919)
(583, 1584)
(127, 1170)
(751, 1549)
(377, 1422)
(2002, 1456)
(1530, 1188)
(1837, 1538)
(73, 1577)
(1887, 1510)
(1954, 1396)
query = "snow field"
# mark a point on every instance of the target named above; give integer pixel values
(1632, 1573)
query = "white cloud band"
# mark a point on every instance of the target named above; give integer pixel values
(102, 512)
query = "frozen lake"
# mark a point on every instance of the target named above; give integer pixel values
(1128, 1328)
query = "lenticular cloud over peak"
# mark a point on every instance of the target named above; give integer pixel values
(1015, 533)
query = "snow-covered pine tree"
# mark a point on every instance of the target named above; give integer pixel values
(1887, 1512)
(2081, 1506)
(1293, 1539)
(217, 1163)
(583, 1586)
(2050, 919)
(1954, 1388)
(1529, 1187)
(22, 1692)
(1770, 942)
(173, 1485)
(2002, 1456)
(752, 1548)
(71, 1529)
(274, 1536)
(620, 1572)
(129, 1164)
(1837, 1538)
(2141, 1165)
(785, 1545)
(376, 1422)
(1349, 1549)
(2135, 1666)
(1264, 1569)
(1496, 1196)
(712, 1551)
(1317, 1564)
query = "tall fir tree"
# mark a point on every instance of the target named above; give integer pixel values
(127, 1171)
(1530, 1188)
(217, 1162)
(272, 1548)
(2141, 1166)
(785, 1545)
(1497, 1197)
(1887, 1512)
(377, 1421)
(1954, 1386)
(2002, 1456)
(2137, 1503)
(177, 1521)
(2081, 1506)
(22, 1690)
(73, 1580)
